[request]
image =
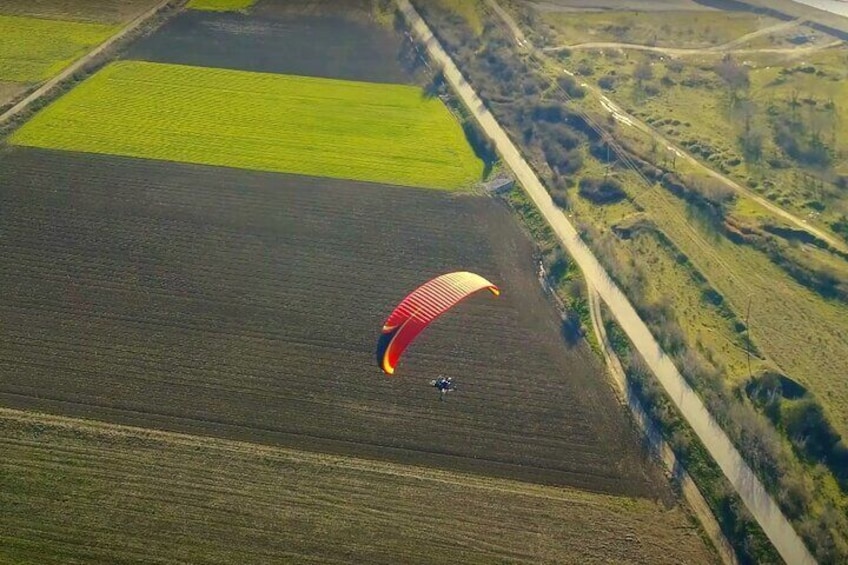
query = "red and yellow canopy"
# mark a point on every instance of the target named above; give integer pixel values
(422, 306)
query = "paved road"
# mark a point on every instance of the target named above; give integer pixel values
(762, 507)
(838, 7)
(80, 63)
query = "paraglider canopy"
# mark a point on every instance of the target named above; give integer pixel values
(422, 306)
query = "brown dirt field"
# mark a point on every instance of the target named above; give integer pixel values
(288, 38)
(9, 91)
(106, 11)
(247, 305)
(140, 496)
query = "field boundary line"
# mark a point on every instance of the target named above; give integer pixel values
(80, 63)
(366, 464)
(752, 492)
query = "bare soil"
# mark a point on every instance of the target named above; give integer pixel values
(142, 496)
(294, 38)
(9, 91)
(247, 305)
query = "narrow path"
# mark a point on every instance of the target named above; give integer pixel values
(657, 443)
(683, 52)
(517, 34)
(764, 509)
(81, 62)
(776, 28)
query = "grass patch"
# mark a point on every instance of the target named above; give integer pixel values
(663, 29)
(303, 125)
(220, 5)
(689, 103)
(33, 49)
(140, 495)
(469, 10)
(648, 263)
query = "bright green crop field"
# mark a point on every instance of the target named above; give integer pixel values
(33, 49)
(320, 127)
(220, 5)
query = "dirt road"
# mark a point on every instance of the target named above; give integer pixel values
(682, 52)
(690, 491)
(756, 498)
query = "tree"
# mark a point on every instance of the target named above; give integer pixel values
(734, 75)
(607, 82)
(643, 72)
(751, 139)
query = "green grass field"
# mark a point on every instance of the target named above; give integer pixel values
(73, 492)
(304, 125)
(220, 5)
(96, 11)
(33, 49)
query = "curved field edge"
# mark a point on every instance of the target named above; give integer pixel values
(230, 501)
(382, 133)
(34, 49)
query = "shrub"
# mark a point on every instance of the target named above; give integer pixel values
(601, 191)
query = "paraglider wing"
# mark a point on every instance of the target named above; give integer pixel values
(422, 306)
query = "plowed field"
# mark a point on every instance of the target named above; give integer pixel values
(238, 305)
(139, 496)
(333, 40)
(248, 305)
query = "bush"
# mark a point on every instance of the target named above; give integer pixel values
(561, 159)
(601, 191)
(799, 142)
(840, 226)
(560, 197)
(808, 428)
(643, 72)
(585, 69)
(607, 82)
(675, 66)
(570, 86)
